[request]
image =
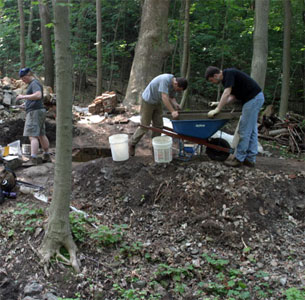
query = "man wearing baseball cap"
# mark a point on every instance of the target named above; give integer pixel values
(34, 126)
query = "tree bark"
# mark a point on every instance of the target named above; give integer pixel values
(186, 63)
(46, 44)
(186, 39)
(260, 42)
(22, 34)
(151, 50)
(58, 231)
(286, 60)
(99, 48)
(29, 34)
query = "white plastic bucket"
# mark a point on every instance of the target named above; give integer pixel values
(162, 149)
(119, 147)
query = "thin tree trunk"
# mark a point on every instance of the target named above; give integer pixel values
(303, 13)
(187, 76)
(58, 231)
(186, 65)
(22, 34)
(260, 42)
(178, 36)
(46, 44)
(113, 48)
(99, 79)
(186, 39)
(29, 35)
(286, 60)
(224, 31)
(151, 50)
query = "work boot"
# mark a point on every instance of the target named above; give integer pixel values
(233, 163)
(132, 150)
(46, 157)
(249, 163)
(33, 161)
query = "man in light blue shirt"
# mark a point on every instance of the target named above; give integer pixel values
(162, 89)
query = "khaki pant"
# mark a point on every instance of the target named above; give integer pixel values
(150, 113)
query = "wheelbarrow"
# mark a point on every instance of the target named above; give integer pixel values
(195, 127)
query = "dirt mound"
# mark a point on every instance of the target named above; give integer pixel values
(183, 230)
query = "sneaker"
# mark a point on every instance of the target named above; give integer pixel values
(249, 163)
(132, 150)
(33, 161)
(233, 163)
(46, 157)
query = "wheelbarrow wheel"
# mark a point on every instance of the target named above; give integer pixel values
(216, 154)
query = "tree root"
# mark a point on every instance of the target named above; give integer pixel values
(51, 247)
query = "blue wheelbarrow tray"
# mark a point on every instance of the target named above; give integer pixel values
(202, 129)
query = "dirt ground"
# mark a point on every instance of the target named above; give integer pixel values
(181, 230)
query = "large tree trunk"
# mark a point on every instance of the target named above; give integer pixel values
(99, 76)
(151, 50)
(58, 231)
(286, 59)
(46, 44)
(22, 34)
(260, 42)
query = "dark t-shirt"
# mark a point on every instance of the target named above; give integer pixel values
(244, 88)
(33, 87)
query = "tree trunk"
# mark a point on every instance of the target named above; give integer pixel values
(99, 77)
(22, 34)
(151, 50)
(186, 64)
(286, 60)
(58, 231)
(29, 34)
(260, 42)
(113, 48)
(46, 44)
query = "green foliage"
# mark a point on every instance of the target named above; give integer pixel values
(108, 236)
(217, 263)
(177, 274)
(221, 34)
(78, 224)
(295, 294)
(134, 294)
(129, 250)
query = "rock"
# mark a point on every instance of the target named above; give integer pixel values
(283, 280)
(139, 284)
(33, 288)
(49, 296)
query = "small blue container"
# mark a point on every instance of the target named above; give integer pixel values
(202, 129)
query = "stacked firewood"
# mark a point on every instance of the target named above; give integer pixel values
(104, 103)
(289, 132)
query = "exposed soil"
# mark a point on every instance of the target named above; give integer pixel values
(194, 229)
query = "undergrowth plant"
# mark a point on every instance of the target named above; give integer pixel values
(31, 214)
(107, 236)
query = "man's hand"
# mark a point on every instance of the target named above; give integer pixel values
(211, 104)
(213, 112)
(175, 114)
(20, 97)
(176, 106)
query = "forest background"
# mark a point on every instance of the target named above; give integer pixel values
(220, 34)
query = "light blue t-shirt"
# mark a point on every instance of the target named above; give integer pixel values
(160, 84)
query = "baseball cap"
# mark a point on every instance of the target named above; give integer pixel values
(24, 71)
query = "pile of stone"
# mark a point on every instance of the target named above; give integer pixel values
(105, 103)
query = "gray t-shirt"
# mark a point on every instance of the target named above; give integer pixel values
(33, 87)
(160, 84)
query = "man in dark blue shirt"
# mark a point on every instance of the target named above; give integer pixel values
(241, 87)
(34, 126)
